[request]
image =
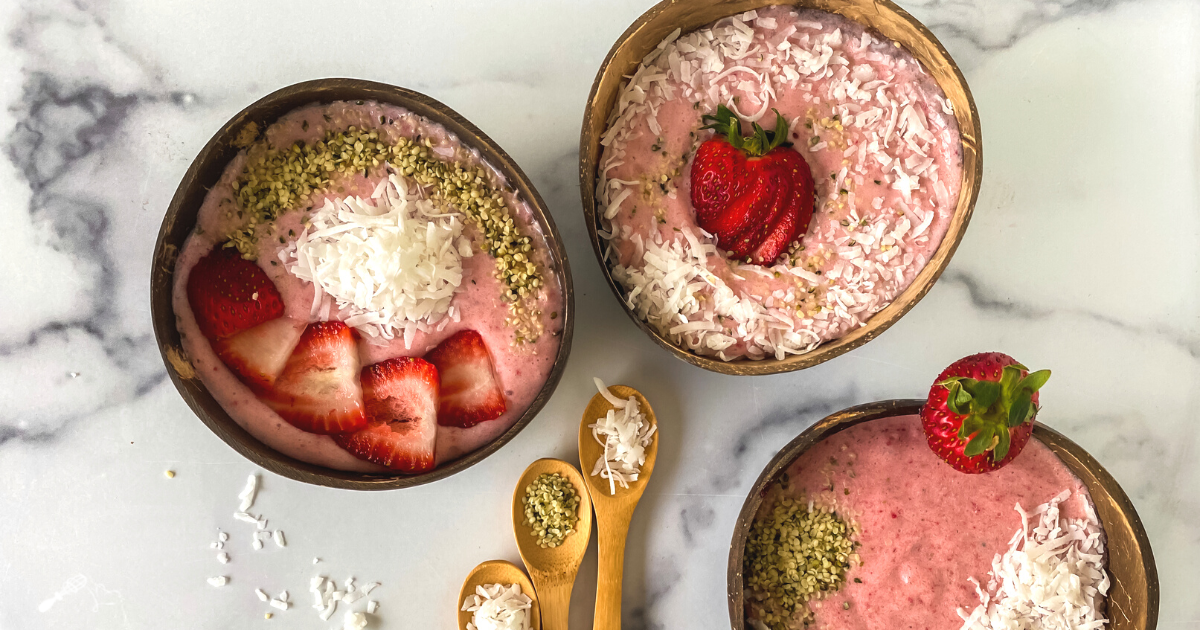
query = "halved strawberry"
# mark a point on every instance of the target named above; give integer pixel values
(229, 294)
(258, 355)
(470, 393)
(401, 397)
(318, 390)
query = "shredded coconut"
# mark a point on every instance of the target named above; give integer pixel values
(391, 263)
(624, 433)
(1051, 578)
(248, 494)
(498, 607)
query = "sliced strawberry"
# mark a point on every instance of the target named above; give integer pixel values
(470, 393)
(792, 221)
(318, 390)
(401, 398)
(229, 294)
(747, 242)
(754, 193)
(748, 210)
(258, 355)
(718, 177)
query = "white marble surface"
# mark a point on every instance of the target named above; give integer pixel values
(1082, 257)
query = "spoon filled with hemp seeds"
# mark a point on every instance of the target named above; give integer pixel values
(552, 521)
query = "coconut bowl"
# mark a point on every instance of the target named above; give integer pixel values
(1132, 602)
(882, 17)
(180, 219)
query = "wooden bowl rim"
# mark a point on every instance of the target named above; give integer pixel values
(971, 138)
(188, 197)
(1098, 481)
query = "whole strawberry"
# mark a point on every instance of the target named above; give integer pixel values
(981, 410)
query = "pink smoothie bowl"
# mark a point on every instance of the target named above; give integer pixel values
(1132, 601)
(181, 219)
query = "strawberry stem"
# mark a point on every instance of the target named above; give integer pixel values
(991, 408)
(757, 144)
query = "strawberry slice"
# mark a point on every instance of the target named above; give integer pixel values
(401, 398)
(742, 247)
(318, 390)
(229, 294)
(470, 393)
(748, 210)
(258, 355)
(718, 177)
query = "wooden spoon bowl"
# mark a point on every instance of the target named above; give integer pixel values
(614, 512)
(497, 572)
(553, 569)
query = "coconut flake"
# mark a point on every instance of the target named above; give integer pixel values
(498, 607)
(391, 264)
(624, 433)
(1052, 576)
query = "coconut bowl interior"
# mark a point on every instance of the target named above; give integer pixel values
(181, 218)
(881, 16)
(1132, 599)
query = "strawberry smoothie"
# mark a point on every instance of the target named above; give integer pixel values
(922, 527)
(522, 361)
(876, 131)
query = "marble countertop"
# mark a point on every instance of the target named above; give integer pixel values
(1081, 257)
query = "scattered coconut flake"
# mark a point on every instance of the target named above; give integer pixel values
(223, 558)
(1051, 577)
(279, 539)
(316, 560)
(354, 621)
(256, 544)
(367, 588)
(280, 604)
(222, 536)
(245, 518)
(624, 433)
(262, 595)
(248, 494)
(392, 264)
(498, 607)
(372, 606)
(218, 581)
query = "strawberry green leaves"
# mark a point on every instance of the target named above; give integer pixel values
(726, 123)
(992, 408)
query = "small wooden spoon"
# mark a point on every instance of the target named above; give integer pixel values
(497, 572)
(613, 511)
(553, 569)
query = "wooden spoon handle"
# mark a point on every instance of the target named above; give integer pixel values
(610, 546)
(555, 601)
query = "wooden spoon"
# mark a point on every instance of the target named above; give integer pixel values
(497, 572)
(553, 569)
(613, 511)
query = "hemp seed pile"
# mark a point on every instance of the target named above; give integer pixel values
(550, 505)
(797, 554)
